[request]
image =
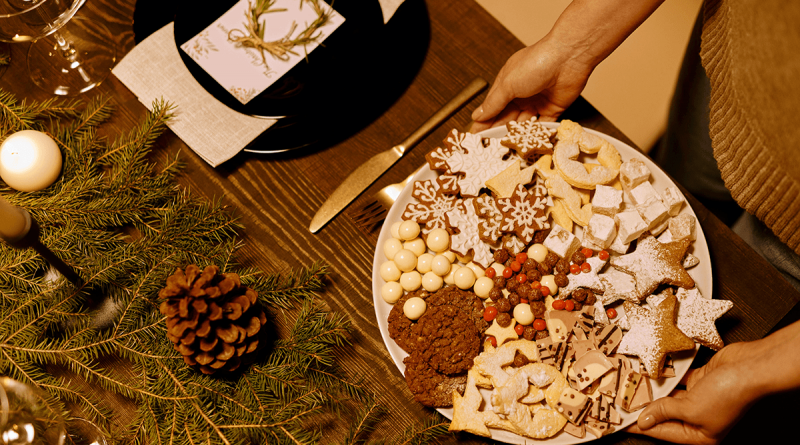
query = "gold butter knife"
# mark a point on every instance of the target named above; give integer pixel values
(367, 173)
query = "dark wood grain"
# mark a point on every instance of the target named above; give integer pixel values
(276, 196)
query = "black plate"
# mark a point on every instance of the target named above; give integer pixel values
(358, 72)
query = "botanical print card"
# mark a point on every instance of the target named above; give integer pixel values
(246, 66)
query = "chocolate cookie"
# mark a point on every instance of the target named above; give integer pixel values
(400, 326)
(429, 387)
(466, 301)
(447, 339)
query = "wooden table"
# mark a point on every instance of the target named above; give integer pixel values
(276, 196)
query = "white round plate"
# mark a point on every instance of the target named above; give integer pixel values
(662, 387)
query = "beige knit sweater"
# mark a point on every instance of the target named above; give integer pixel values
(751, 52)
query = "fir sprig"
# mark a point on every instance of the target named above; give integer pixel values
(119, 219)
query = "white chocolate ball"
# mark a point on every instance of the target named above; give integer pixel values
(464, 278)
(550, 281)
(477, 269)
(438, 240)
(389, 271)
(424, 263)
(440, 265)
(406, 260)
(395, 229)
(538, 252)
(414, 308)
(523, 314)
(483, 286)
(408, 230)
(499, 268)
(450, 277)
(432, 282)
(411, 281)
(391, 247)
(416, 245)
(450, 255)
(391, 292)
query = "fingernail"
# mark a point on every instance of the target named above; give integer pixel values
(647, 422)
(476, 115)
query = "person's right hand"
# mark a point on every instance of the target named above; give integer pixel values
(540, 80)
(716, 396)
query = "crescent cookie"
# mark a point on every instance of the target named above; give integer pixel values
(572, 140)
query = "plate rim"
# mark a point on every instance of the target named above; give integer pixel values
(664, 386)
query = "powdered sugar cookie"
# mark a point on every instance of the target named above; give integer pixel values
(572, 140)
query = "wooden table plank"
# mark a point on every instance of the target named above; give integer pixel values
(276, 196)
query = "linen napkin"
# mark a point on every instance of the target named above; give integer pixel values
(154, 70)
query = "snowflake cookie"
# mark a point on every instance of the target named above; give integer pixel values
(431, 206)
(478, 163)
(465, 220)
(523, 213)
(529, 138)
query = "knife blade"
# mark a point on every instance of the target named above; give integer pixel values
(368, 172)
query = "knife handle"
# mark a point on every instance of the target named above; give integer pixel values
(469, 92)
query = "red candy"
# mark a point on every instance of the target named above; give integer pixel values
(492, 340)
(539, 324)
(575, 269)
(559, 305)
(519, 329)
(521, 257)
(569, 305)
(586, 267)
(545, 290)
(535, 285)
(603, 255)
(516, 266)
(491, 272)
(507, 272)
(587, 252)
(611, 312)
(523, 300)
(489, 313)
(521, 278)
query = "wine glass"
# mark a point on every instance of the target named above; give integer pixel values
(68, 55)
(27, 417)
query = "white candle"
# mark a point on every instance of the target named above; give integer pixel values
(29, 161)
(14, 221)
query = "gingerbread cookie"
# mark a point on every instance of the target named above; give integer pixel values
(654, 263)
(478, 164)
(529, 138)
(491, 218)
(523, 213)
(696, 316)
(431, 207)
(653, 334)
(468, 239)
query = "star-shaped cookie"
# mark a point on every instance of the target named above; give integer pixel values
(505, 183)
(653, 334)
(654, 263)
(696, 316)
(501, 334)
(589, 280)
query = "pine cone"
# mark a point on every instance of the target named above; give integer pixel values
(212, 320)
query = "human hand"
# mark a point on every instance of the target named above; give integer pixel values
(716, 396)
(540, 80)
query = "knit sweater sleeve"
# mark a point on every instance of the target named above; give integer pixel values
(751, 52)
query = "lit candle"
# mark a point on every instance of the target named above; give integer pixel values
(15, 222)
(29, 161)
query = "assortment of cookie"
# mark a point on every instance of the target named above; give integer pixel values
(536, 291)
